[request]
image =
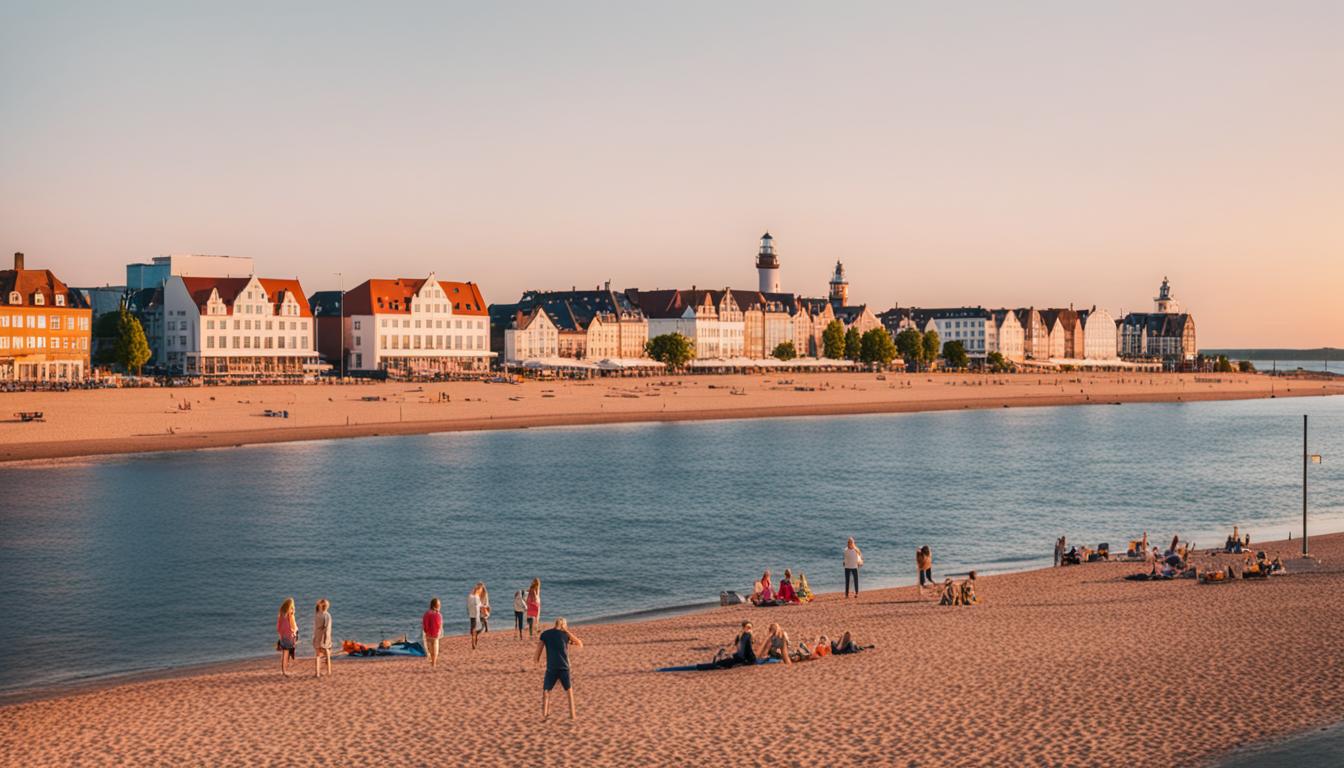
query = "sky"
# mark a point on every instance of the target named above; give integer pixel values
(1023, 154)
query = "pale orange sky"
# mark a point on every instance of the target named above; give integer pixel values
(1038, 154)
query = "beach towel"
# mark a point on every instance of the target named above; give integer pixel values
(704, 668)
(360, 650)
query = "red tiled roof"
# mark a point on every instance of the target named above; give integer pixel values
(377, 296)
(228, 288)
(33, 281)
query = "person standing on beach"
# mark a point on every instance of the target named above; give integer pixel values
(555, 644)
(474, 612)
(322, 636)
(853, 562)
(432, 625)
(924, 564)
(519, 608)
(288, 630)
(533, 607)
(485, 607)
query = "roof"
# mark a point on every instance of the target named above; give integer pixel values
(30, 282)
(850, 314)
(326, 303)
(1066, 317)
(1159, 323)
(574, 310)
(381, 296)
(228, 288)
(1024, 315)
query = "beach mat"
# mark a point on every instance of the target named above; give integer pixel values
(696, 667)
(397, 649)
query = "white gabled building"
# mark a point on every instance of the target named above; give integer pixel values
(237, 328)
(416, 327)
(1009, 337)
(532, 337)
(710, 319)
(972, 326)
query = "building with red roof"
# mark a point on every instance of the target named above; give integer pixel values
(231, 328)
(44, 327)
(413, 328)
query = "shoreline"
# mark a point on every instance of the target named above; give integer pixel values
(1018, 605)
(89, 431)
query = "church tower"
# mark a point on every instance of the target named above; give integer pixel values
(839, 287)
(1164, 301)
(767, 265)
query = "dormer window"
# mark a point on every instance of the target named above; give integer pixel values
(39, 299)
(60, 300)
(15, 297)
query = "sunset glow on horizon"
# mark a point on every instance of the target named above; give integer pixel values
(1043, 154)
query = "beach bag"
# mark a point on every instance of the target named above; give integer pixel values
(730, 597)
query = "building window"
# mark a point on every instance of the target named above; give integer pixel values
(356, 325)
(55, 323)
(15, 298)
(39, 299)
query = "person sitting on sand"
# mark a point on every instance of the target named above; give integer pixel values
(950, 596)
(744, 651)
(968, 590)
(803, 590)
(777, 644)
(763, 593)
(786, 593)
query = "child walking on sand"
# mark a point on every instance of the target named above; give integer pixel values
(519, 608)
(322, 636)
(432, 625)
(474, 612)
(533, 607)
(924, 564)
(288, 630)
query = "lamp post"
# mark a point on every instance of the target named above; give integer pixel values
(1307, 458)
(340, 353)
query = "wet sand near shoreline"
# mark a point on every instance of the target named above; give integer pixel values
(1064, 666)
(96, 422)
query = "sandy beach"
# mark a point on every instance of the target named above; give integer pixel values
(96, 422)
(1071, 666)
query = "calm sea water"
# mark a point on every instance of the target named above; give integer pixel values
(130, 563)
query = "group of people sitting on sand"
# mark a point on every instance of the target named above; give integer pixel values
(776, 646)
(765, 594)
(1261, 568)
(1236, 545)
(959, 593)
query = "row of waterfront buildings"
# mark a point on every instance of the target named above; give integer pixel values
(213, 318)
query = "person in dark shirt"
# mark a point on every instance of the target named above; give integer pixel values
(555, 643)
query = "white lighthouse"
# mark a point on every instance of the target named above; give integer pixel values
(767, 265)
(1164, 301)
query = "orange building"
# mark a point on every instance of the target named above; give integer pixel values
(44, 327)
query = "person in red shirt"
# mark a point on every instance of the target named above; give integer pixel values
(432, 625)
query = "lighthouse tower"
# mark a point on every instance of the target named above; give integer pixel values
(1164, 301)
(767, 265)
(839, 287)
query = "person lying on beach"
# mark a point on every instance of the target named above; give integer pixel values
(846, 645)
(786, 593)
(813, 651)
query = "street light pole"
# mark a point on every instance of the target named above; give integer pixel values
(1305, 458)
(340, 353)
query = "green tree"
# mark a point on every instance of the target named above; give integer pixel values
(853, 344)
(932, 346)
(785, 351)
(1246, 366)
(910, 345)
(833, 340)
(954, 354)
(671, 349)
(876, 347)
(998, 363)
(132, 351)
(1223, 365)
